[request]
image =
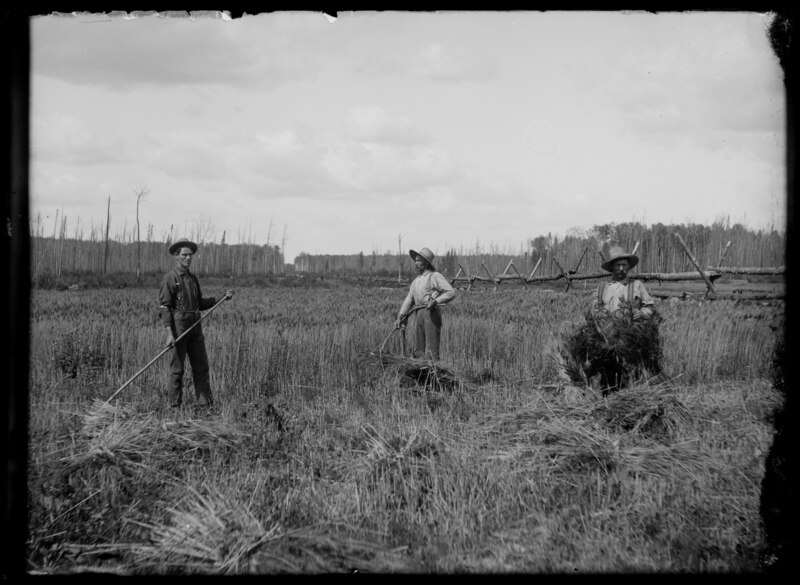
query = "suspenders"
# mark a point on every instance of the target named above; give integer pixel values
(602, 289)
(180, 293)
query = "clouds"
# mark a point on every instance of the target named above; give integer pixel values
(423, 48)
(369, 167)
(69, 141)
(248, 52)
(440, 63)
(489, 126)
(385, 154)
(699, 76)
(373, 124)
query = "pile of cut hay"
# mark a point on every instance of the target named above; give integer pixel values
(617, 346)
(427, 374)
(207, 532)
(118, 433)
(634, 428)
(389, 449)
(211, 531)
(569, 445)
(651, 411)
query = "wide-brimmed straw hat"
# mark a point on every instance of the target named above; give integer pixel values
(425, 253)
(618, 253)
(182, 243)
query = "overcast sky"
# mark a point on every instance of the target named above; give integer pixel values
(446, 129)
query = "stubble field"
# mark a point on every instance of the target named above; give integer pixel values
(316, 460)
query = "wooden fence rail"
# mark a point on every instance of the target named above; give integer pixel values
(644, 276)
(708, 276)
(776, 270)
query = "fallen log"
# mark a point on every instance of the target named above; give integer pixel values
(473, 278)
(644, 276)
(744, 270)
(676, 276)
(718, 296)
(748, 296)
(647, 276)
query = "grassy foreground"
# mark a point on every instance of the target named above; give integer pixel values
(317, 461)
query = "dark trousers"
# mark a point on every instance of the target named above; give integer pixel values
(428, 333)
(193, 345)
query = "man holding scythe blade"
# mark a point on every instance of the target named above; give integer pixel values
(427, 291)
(181, 303)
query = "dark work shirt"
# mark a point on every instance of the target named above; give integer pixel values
(180, 293)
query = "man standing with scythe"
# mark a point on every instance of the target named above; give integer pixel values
(181, 303)
(427, 291)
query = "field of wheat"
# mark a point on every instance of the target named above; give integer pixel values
(315, 460)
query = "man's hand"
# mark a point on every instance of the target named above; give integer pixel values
(432, 303)
(170, 339)
(228, 295)
(400, 321)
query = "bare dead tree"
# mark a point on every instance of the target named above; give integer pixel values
(222, 252)
(40, 237)
(55, 252)
(203, 230)
(62, 236)
(75, 239)
(399, 257)
(269, 233)
(140, 193)
(283, 251)
(108, 224)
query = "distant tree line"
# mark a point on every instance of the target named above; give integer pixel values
(54, 257)
(81, 249)
(658, 252)
(56, 254)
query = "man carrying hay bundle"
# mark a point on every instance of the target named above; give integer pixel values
(620, 339)
(611, 296)
(429, 290)
(181, 303)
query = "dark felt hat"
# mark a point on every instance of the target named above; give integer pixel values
(182, 243)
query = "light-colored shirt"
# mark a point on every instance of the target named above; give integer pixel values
(428, 285)
(610, 294)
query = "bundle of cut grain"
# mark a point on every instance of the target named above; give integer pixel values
(117, 433)
(426, 374)
(618, 347)
(652, 411)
